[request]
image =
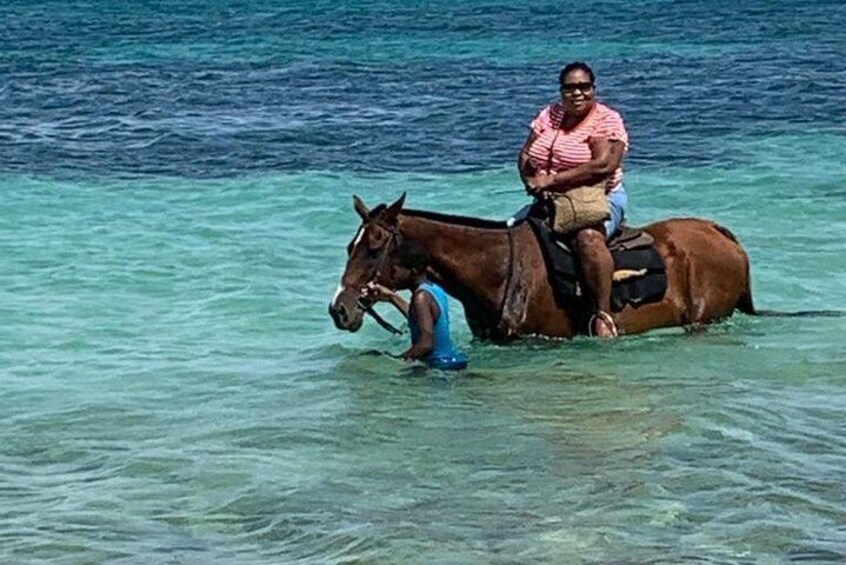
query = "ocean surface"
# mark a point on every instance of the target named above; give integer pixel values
(175, 202)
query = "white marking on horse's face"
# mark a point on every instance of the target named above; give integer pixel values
(341, 288)
(338, 292)
(357, 240)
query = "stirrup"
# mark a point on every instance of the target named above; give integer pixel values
(606, 319)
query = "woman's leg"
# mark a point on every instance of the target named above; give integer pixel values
(597, 268)
(618, 202)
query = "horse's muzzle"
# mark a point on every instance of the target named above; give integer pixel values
(347, 314)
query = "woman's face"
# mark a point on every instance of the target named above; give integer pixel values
(577, 92)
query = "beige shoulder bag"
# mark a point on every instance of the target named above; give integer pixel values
(579, 208)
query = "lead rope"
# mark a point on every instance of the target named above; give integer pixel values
(381, 321)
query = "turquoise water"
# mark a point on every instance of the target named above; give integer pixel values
(176, 203)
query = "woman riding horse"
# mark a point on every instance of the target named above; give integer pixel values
(572, 143)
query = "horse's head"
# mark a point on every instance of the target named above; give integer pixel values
(367, 253)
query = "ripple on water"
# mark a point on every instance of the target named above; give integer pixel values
(176, 204)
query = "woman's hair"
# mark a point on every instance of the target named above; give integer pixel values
(411, 255)
(576, 66)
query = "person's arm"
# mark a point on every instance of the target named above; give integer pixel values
(384, 294)
(606, 156)
(424, 307)
(526, 170)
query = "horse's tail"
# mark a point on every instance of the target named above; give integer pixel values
(747, 306)
(800, 314)
(745, 303)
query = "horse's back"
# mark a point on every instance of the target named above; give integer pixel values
(696, 227)
(707, 267)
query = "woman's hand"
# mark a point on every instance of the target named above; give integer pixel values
(539, 184)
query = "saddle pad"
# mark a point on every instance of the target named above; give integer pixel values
(643, 277)
(630, 238)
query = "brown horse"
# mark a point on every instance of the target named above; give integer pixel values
(500, 276)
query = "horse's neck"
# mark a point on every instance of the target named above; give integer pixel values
(471, 262)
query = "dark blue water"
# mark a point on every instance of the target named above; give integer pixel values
(218, 89)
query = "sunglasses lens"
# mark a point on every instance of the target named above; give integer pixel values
(572, 87)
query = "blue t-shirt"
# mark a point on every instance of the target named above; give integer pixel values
(443, 354)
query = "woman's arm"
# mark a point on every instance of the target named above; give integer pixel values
(606, 156)
(423, 311)
(526, 170)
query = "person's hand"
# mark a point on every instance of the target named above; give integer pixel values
(378, 293)
(538, 184)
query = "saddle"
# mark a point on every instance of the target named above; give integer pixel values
(640, 276)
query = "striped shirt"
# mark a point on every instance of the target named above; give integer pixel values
(556, 149)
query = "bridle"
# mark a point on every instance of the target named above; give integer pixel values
(394, 239)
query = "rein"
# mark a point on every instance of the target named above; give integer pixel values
(507, 292)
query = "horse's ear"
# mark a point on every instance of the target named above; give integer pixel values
(360, 208)
(394, 209)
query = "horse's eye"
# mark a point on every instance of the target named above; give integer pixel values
(373, 252)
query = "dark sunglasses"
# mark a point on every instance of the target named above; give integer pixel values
(573, 86)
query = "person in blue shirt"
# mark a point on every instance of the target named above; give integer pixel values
(428, 312)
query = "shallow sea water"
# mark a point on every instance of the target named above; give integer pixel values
(176, 203)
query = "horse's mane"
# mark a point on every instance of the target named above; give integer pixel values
(467, 221)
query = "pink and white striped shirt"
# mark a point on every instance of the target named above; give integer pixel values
(556, 149)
